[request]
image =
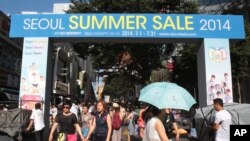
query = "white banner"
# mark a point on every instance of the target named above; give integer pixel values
(218, 70)
(33, 75)
(98, 87)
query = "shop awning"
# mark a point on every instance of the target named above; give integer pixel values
(12, 96)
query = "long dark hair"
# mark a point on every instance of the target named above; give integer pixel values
(150, 112)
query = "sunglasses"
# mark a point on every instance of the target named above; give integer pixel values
(67, 107)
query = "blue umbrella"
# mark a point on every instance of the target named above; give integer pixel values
(167, 95)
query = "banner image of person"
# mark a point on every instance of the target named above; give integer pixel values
(33, 74)
(218, 74)
(107, 98)
(98, 87)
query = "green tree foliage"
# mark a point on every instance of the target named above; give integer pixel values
(113, 6)
(189, 8)
(185, 72)
(240, 52)
(118, 87)
(240, 56)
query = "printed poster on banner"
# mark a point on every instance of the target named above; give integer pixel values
(107, 98)
(33, 75)
(98, 87)
(218, 74)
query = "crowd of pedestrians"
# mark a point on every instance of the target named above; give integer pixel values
(101, 121)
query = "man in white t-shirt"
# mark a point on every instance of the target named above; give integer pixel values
(53, 111)
(222, 121)
(37, 118)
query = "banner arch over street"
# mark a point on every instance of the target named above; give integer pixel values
(213, 32)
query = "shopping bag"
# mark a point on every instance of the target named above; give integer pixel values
(85, 132)
(61, 137)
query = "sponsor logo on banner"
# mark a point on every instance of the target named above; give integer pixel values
(217, 54)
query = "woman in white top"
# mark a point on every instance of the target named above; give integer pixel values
(154, 130)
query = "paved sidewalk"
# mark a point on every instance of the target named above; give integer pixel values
(125, 135)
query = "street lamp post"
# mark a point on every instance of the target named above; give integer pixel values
(98, 85)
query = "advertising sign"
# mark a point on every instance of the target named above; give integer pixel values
(128, 25)
(33, 75)
(98, 87)
(218, 70)
(107, 98)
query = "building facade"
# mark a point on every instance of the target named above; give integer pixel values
(10, 61)
(73, 76)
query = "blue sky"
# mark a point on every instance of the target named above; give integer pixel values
(15, 6)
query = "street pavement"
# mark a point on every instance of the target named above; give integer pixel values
(125, 134)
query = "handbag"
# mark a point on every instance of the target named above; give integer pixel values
(193, 133)
(85, 132)
(62, 137)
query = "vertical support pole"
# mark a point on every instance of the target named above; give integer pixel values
(201, 64)
(48, 90)
(36, 76)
